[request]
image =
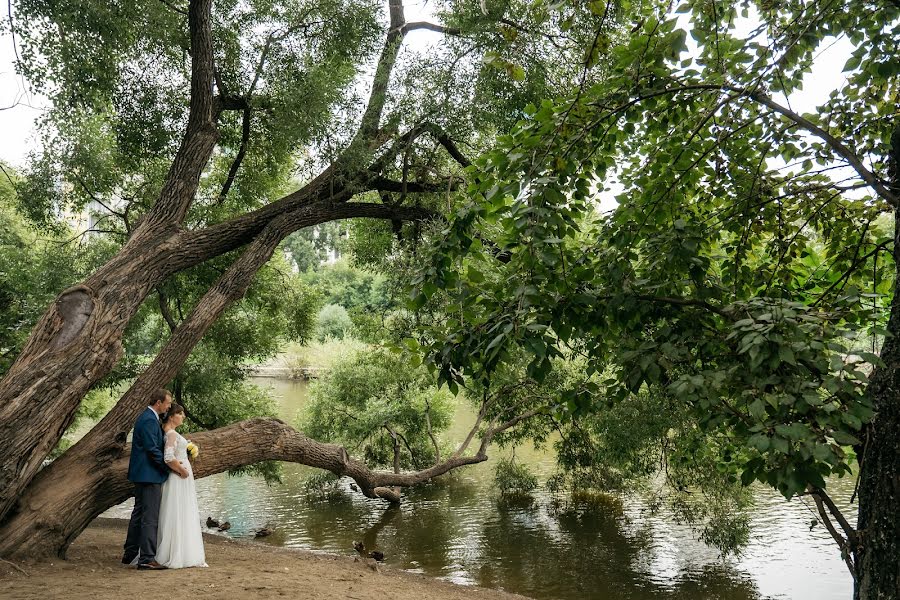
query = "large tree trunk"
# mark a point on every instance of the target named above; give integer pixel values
(78, 340)
(878, 525)
(877, 551)
(54, 510)
(74, 345)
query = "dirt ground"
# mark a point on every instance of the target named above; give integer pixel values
(237, 569)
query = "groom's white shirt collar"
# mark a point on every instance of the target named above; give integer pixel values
(154, 412)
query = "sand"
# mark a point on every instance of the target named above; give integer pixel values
(237, 569)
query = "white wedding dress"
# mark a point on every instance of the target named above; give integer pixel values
(180, 542)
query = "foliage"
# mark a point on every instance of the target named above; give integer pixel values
(723, 279)
(324, 486)
(366, 296)
(514, 479)
(118, 82)
(333, 322)
(373, 395)
(34, 268)
(322, 355)
(311, 248)
(350, 287)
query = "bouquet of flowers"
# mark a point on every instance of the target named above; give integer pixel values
(193, 450)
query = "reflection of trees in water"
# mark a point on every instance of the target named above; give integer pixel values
(457, 528)
(435, 524)
(583, 551)
(370, 536)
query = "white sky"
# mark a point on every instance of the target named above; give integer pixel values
(17, 134)
(16, 123)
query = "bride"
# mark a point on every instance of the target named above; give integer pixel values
(180, 540)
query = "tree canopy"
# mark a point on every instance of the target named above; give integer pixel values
(744, 271)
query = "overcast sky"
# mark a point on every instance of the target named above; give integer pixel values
(17, 136)
(16, 123)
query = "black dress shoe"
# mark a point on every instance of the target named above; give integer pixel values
(127, 560)
(152, 566)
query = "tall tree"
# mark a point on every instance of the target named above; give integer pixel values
(748, 267)
(174, 117)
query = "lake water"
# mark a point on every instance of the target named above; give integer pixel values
(455, 529)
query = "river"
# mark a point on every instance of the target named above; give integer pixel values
(456, 530)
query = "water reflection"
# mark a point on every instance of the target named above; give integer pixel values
(455, 529)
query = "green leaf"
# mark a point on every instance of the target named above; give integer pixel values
(844, 439)
(758, 410)
(780, 444)
(787, 355)
(852, 63)
(760, 441)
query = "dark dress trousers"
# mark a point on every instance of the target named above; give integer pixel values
(147, 470)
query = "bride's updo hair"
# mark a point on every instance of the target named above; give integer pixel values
(175, 409)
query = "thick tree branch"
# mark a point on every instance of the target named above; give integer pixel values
(198, 246)
(383, 184)
(200, 136)
(835, 144)
(371, 118)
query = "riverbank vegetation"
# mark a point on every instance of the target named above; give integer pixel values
(602, 224)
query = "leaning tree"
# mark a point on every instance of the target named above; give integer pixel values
(187, 124)
(748, 271)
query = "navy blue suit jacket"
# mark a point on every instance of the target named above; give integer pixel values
(146, 464)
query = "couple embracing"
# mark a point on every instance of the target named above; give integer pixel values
(164, 531)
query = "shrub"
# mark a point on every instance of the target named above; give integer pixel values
(333, 323)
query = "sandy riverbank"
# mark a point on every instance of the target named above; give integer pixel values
(237, 569)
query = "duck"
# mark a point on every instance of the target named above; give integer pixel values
(211, 523)
(225, 526)
(374, 554)
(264, 532)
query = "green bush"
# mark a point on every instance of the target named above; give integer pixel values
(333, 323)
(372, 395)
(513, 479)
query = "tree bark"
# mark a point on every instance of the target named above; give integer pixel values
(877, 552)
(878, 525)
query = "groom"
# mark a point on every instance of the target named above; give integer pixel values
(147, 470)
